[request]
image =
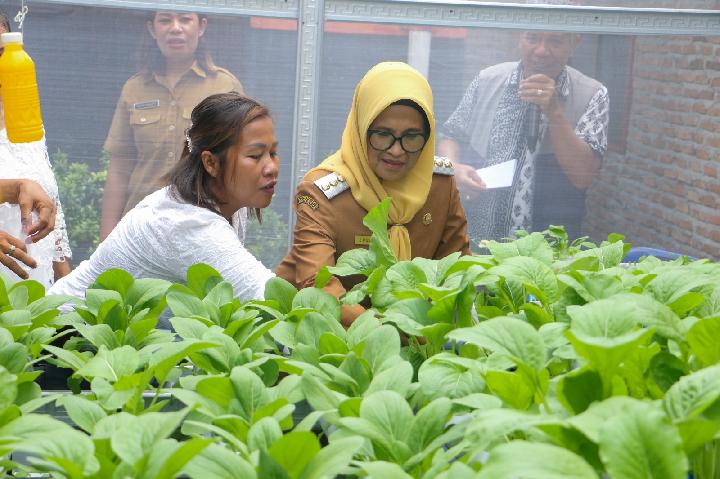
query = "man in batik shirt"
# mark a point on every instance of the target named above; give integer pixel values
(554, 164)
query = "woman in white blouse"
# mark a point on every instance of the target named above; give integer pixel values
(30, 161)
(229, 164)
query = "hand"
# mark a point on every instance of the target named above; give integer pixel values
(469, 183)
(31, 197)
(11, 249)
(539, 89)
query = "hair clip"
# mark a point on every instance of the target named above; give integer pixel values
(189, 143)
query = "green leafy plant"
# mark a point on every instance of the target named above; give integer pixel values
(538, 359)
(81, 190)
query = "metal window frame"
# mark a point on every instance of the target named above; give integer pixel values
(311, 15)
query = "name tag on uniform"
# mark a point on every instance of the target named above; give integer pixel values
(147, 105)
(362, 240)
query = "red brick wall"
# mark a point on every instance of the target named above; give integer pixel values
(665, 190)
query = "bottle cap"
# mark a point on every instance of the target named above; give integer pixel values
(11, 37)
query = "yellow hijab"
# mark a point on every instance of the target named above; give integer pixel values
(382, 86)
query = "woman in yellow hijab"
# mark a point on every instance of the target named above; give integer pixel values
(387, 149)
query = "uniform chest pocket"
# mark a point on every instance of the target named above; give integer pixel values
(145, 125)
(144, 117)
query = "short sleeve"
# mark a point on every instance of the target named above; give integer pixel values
(592, 127)
(457, 126)
(228, 81)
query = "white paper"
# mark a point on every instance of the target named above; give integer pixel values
(498, 176)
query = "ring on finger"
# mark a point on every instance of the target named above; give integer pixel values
(11, 251)
(539, 92)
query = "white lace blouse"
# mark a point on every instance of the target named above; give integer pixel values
(31, 161)
(161, 237)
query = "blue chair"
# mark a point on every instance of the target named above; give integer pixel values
(635, 254)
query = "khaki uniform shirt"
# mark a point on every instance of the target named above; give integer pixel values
(326, 228)
(150, 122)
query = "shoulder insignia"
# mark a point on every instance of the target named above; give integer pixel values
(307, 200)
(443, 166)
(332, 185)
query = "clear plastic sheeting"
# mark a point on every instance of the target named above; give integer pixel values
(644, 109)
(85, 55)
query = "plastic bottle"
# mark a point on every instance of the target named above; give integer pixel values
(19, 91)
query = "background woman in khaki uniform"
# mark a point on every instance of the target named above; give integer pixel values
(387, 149)
(148, 129)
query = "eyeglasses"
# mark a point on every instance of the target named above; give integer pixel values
(383, 140)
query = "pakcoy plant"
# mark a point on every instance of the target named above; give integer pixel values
(548, 332)
(542, 358)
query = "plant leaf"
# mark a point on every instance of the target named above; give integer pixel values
(527, 270)
(382, 347)
(702, 337)
(641, 442)
(111, 364)
(579, 388)
(264, 434)
(8, 388)
(511, 388)
(609, 255)
(219, 462)
(384, 469)
(376, 221)
(533, 245)
(114, 280)
(318, 300)
(535, 461)
(332, 459)
(389, 411)
(201, 278)
(429, 423)
(84, 412)
(283, 292)
(445, 375)
(294, 451)
(355, 261)
(509, 336)
(397, 377)
(136, 439)
(693, 394)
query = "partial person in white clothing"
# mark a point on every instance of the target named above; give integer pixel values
(31, 161)
(30, 198)
(229, 164)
